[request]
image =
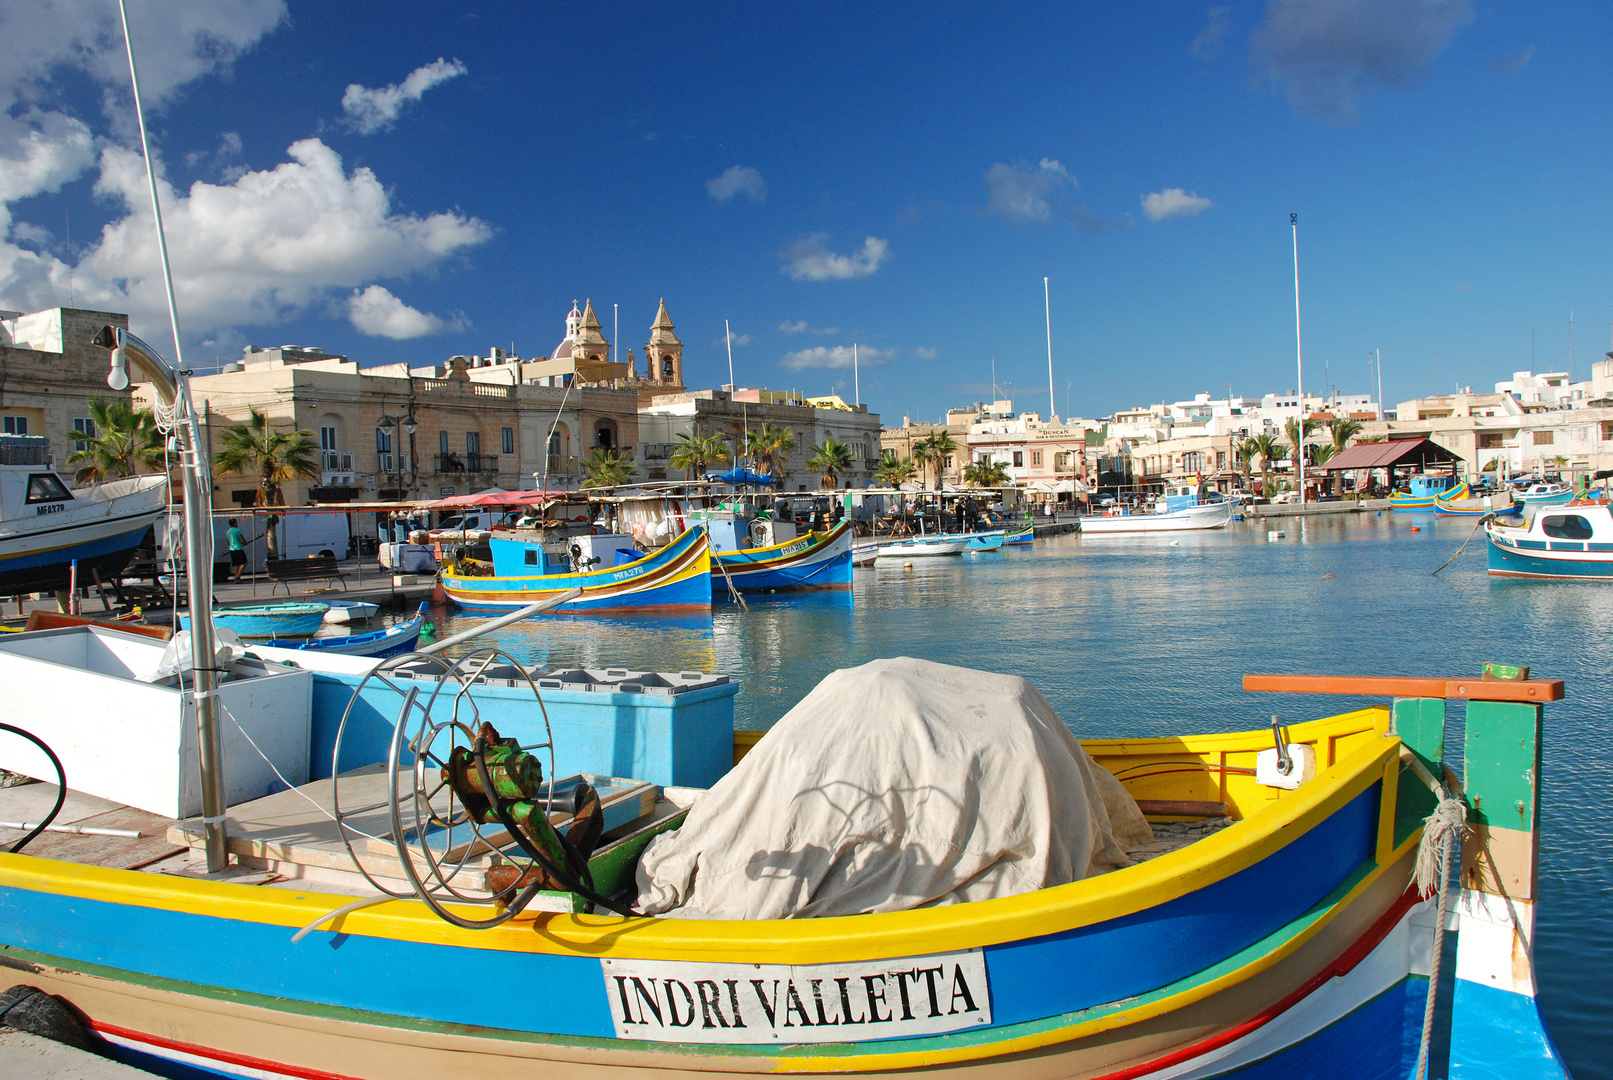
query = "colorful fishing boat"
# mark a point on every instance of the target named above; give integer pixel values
(1023, 536)
(1501, 504)
(612, 574)
(45, 527)
(813, 561)
(392, 641)
(1292, 941)
(268, 620)
(1423, 490)
(1574, 541)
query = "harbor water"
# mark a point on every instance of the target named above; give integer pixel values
(1151, 635)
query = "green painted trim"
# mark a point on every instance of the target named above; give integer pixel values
(1420, 723)
(1413, 803)
(1502, 763)
(973, 1037)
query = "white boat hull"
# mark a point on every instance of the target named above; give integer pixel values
(1209, 516)
(100, 532)
(910, 549)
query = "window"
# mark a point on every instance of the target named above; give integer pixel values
(86, 427)
(605, 434)
(1489, 440)
(1572, 527)
(1036, 457)
(383, 441)
(1220, 460)
(1019, 459)
(16, 425)
(531, 555)
(508, 441)
(473, 442)
(1607, 429)
(442, 442)
(44, 487)
(327, 438)
(1545, 438)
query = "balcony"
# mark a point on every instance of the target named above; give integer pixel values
(453, 464)
(336, 461)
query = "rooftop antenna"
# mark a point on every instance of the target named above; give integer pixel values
(744, 411)
(1047, 307)
(856, 383)
(1570, 346)
(1379, 353)
(1299, 362)
(994, 379)
(615, 329)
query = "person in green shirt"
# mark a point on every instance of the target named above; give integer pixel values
(237, 541)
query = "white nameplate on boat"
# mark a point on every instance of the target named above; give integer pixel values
(673, 1001)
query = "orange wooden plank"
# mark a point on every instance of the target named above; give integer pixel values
(1475, 689)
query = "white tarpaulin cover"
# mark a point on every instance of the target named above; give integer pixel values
(895, 785)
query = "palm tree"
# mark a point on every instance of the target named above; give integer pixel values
(1247, 451)
(942, 445)
(769, 447)
(894, 471)
(277, 457)
(125, 439)
(831, 459)
(1343, 432)
(606, 468)
(1322, 453)
(922, 456)
(693, 453)
(1297, 436)
(1269, 448)
(985, 474)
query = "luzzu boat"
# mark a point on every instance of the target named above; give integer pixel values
(1290, 942)
(813, 561)
(612, 574)
(1574, 541)
(1501, 504)
(1424, 490)
(1545, 493)
(1023, 536)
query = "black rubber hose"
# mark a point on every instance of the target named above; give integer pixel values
(565, 877)
(61, 785)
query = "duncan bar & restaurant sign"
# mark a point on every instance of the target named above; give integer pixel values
(671, 1001)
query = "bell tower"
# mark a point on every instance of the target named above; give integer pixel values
(663, 353)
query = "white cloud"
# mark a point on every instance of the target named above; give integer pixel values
(1208, 43)
(376, 312)
(369, 111)
(1025, 194)
(924, 353)
(809, 259)
(1329, 52)
(737, 339)
(252, 252)
(835, 357)
(801, 326)
(1174, 202)
(738, 180)
(41, 151)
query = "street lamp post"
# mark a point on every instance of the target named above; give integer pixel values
(404, 425)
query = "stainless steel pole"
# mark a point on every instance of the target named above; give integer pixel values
(1299, 362)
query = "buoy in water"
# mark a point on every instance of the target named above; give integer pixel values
(1416, 528)
(908, 565)
(1176, 543)
(1274, 535)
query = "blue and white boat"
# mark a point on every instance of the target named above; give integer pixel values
(612, 573)
(1179, 509)
(268, 620)
(756, 555)
(393, 641)
(45, 526)
(1424, 490)
(1574, 541)
(1544, 493)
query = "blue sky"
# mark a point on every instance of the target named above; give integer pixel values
(407, 182)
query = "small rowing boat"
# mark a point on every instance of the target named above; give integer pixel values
(393, 641)
(268, 620)
(921, 547)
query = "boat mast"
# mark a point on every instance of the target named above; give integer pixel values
(173, 385)
(1047, 308)
(856, 377)
(1299, 362)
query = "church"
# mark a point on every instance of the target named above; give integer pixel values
(584, 356)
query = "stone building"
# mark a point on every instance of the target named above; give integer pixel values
(49, 372)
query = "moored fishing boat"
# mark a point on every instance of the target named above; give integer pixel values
(1024, 536)
(1423, 490)
(1544, 493)
(380, 644)
(1206, 516)
(814, 561)
(45, 527)
(268, 620)
(350, 611)
(920, 547)
(612, 574)
(1501, 504)
(1291, 941)
(1574, 541)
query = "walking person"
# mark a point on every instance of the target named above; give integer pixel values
(237, 542)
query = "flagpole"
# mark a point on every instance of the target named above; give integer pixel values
(1299, 362)
(1047, 308)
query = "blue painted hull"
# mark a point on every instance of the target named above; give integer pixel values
(675, 578)
(380, 644)
(816, 562)
(290, 620)
(1506, 561)
(48, 570)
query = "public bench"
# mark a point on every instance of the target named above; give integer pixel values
(314, 568)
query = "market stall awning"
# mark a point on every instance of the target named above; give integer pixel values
(1395, 454)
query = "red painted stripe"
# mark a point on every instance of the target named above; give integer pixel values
(1343, 965)
(212, 1054)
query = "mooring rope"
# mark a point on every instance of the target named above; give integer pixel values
(1441, 832)
(1487, 517)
